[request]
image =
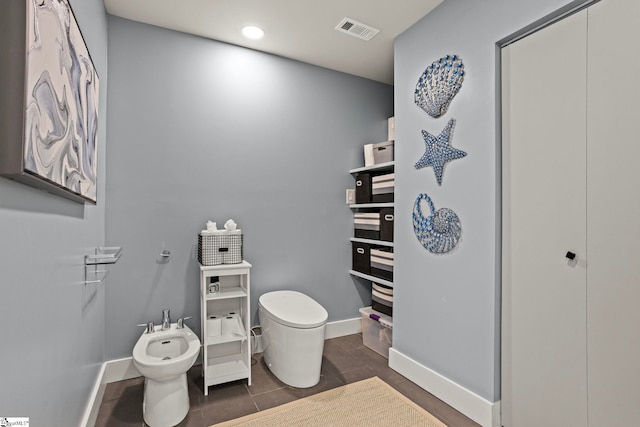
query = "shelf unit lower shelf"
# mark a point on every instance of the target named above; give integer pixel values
(223, 339)
(226, 293)
(226, 368)
(372, 278)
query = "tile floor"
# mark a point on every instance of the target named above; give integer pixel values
(345, 361)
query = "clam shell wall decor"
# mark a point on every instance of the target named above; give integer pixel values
(439, 83)
(440, 231)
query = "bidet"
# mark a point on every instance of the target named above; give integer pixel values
(163, 358)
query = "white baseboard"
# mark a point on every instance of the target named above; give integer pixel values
(120, 370)
(470, 404)
(342, 328)
(111, 371)
(95, 398)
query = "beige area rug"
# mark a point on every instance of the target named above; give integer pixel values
(369, 402)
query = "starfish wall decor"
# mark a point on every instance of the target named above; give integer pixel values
(439, 151)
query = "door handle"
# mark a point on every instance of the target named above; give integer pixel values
(570, 255)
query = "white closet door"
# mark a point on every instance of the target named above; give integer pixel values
(544, 198)
(613, 218)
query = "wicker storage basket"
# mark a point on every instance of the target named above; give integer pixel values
(216, 249)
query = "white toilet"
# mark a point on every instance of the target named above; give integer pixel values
(164, 357)
(293, 326)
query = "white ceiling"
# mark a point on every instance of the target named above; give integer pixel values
(298, 29)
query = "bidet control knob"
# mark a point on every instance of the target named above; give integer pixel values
(149, 327)
(181, 322)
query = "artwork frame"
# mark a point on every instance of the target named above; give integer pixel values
(49, 107)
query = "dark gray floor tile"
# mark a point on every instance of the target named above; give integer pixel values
(193, 419)
(338, 359)
(226, 402)
(114, 391)
(275, 398)
(262, 380)
(348, 341)
(356, 375)
(327, 382)
(121, 413)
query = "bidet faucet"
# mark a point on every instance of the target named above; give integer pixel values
(166, 320)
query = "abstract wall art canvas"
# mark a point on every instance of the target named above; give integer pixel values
(49, 123)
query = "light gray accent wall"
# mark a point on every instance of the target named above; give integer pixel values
(201, 130)
(52, 331)
(447, 307)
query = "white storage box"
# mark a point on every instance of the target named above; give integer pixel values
(375, 154)
(376, 330)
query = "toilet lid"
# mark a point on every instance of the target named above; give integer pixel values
(292, 308)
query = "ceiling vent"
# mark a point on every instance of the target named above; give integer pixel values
(357, 29)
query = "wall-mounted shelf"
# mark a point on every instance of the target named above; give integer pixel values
(372, 241)
(104, 255)
(372, 278)
(378, 167)
(371, 205)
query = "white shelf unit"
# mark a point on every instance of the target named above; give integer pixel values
(226, 357)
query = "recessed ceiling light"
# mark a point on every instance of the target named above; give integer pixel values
(252, 32)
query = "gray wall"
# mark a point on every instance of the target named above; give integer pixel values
(52, 331)
(204, 130)
(447, 307)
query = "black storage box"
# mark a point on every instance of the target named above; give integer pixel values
(361, 259)
(382, 188)
(381, 263)
(374, 225)
(363, 188)
(366, 225)
(381, 308)
(382, 298)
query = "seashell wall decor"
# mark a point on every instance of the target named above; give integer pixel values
(439, 83)
(440, 231)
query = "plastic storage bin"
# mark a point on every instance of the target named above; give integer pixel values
(376, 331)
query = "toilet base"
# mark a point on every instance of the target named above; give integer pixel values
(293, 355)
(166, 401)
